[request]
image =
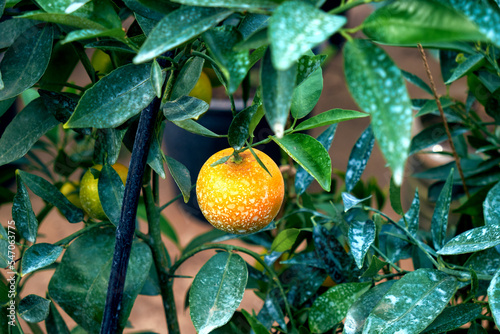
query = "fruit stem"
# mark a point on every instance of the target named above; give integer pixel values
(236, 157)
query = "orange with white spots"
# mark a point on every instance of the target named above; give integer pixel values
(240, 197)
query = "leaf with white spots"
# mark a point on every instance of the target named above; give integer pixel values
(491, 206)
(412, 303)
(251, 5)
(185, 107)
(217, 291)
(377, 86)
(358, 158)
(351, 201)
(484, 262)
(331, 307)
(361, 236)
(307, 65)
(310, 154)
(454, 317)
(239, 128)
(291, 37)
(178, 27)
(494, 297)
(473, 240)
(439, 222)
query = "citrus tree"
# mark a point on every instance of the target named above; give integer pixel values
(333, 257)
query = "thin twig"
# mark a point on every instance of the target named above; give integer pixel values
(445, 122)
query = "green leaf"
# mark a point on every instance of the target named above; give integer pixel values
(439, 222)
(12, 29)
(178, 27)
(118, 96)
(412, 302)
(362, 307)
(165, 226)
(196, 128)
(308, 65)
(291, 37)
(181, 176)
(252, 23)
(484, 262)
(351, 201)
(48, 192)
(78, 35)
(256, 325)
(111, 190)
(395, 197)
(188, 77)
(468, 65)
(473, 240)
(377, 86)
(61, 6)
(430, 22)
(329, 117)
(65, 19)
(108, 145)
(361, 236)
(310, 154)
(39, 256)
(25, 130)
(237, 4)
(285, 240)
(375, 266)
(81, 289)
(491, 206)
(22, 212)
(307, 94)
(434, 134)
(54, 323)
(331, 307)
(431, 106)
(185, 107)
(4, 249)
(212, 305)
(494, 297)
(358, 159)
(277, 92)
(412, 78)
(454, 317)
(239, 127)
(234, 64)
(25, 61)
(33, 308)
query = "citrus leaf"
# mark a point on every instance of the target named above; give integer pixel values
(181, 176)
(285, 240)
(252, 23)
(33, 308)
(307, 65)
(494, 297)
(358, 158)
(430, 22)
(48, 192)
(54, 323)
(291, 38)
(107, 145)
(183, 108)
(351, 201)
(39, 256)
(462, 69)
(80, 289)
(78, 35)
(256, 325)
(491, 206)
(188, 77)
(439, 222)
(238, 4)
(395, 197)
(375, 266)
(123, 93)
(473, 240)
(60, 18)
(306, 95)
(12, 29)
(434, 134)
(277, 92)
(25, 61)
(165, 226)
(178, 27)
(4, 249)
(22, 212)
(239, 127)
(24, 130)
(213, 305)
(111, 190)
(361, 236)
(331, 307)
(485, 262)
(310, 154)
(412, 78)
(61, 6)
(454, 317)
(377, 86)
(196, 128)
(412, 302)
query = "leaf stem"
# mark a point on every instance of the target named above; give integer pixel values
(65, 241)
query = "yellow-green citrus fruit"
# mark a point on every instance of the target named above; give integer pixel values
(89, 194)
(203, 89)
(101, 62)
(240, 197)
(214, 80)
(71, 191)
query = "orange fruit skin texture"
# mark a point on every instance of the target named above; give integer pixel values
(240, 198)
(89, 194)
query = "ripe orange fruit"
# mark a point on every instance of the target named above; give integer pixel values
(240, 197)
(203, 89)
(89, 195)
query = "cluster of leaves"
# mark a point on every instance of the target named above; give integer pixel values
(159, 57)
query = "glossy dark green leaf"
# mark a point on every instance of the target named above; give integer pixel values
(12, 29)
(257, 327)
(39, 256)
(361, 236)
(5, 105)
(108, 145)
(22, 212)
(494, 297)
(118, 96)
(310, 154)
(469, 64)
(238, 129)
(25, 130)
(308, 65)
(395, 197)
(277, 91)
(4, 249)
(302, 178)
(476, 328)
(431, 106)
(54, 323)
(155, 155)
(80, 289)
(375, 266)
(331, 307)
(252, 23)
(157, 78)
(196, 128)
(233, 64)
(430, 22)
(412, 303)
(212, 305)
(378, 88)
(25, 61)
(351, 201)
(61, 6)
(484, 262)
(306, 95)
(238, 4)
(291, 38)
(491, 206)
(111, 189)
(254, 41)
(473, 240)
(439, 222)
(329, 117)
(48, 192)
(65, 19)
(434, 134)
(454, 317)
(181, 176)
(178, 27)
(183, 108)
(187, 78)
(285, 240)
(78, 35)
(301, 283)
(412, 78)
(33, 308)
(358, 158)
